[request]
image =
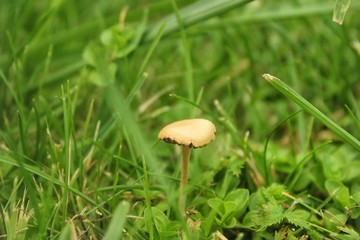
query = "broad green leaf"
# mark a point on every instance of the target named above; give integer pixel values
(165, 227)
(218, 205)
(229, 206)
(351, 171)
(339, 192)
(240, 197)
(160, 219)
(229, 222)
(249, 219)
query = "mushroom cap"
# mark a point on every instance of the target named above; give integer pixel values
(190, 132)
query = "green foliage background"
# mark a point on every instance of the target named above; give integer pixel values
(86, 86)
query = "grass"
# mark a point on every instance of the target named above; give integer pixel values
(86, 87)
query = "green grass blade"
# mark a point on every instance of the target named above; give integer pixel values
(186, 53)
(308, 107)
(149, 215)
(193, 104)
(117, 222)
(266, 163)
(352, 114)
(196, 12)
(340, 9)
(151, 50)
(136, 88)
(35, 170)
(65, 233)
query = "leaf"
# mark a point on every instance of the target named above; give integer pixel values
(225, 210)
(122, 41)
(315, 235)
(160, 219)
(298, 218)
(95, 54)
(350, 171)
(351, 233)
(103, 71)
(240, 197)
(116, 225)
(355, 211)
(229, 223)
(249, 220)
(218, 205)
(105, 76)
(339, 192)
(276, 192)
(229, 207)
(165, 227)
(335, 218)
(268, 214)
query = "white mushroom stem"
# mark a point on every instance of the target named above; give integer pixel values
(186, 150)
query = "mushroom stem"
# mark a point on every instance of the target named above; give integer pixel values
(184, 178)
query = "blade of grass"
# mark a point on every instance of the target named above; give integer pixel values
(340, 9)
(125, 117)
(35, 170)
(152, 47)
(352, 114)
(117, 222)
(19, 160)
(286, 13)
(193, 104)
(141, 79)
(11, 90)
(83, 136)
(267, 169)
(311, 109)
(22, 134)
(67, 147)
(135, 88)
(296, 172)
(186, 52)
(38, 127)
(196, 12)
(65, 233)
(149, 215)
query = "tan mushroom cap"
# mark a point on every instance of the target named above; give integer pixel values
(190, 132)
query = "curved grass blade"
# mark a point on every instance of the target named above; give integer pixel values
(308, 107)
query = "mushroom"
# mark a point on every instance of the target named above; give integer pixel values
(189, 133)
